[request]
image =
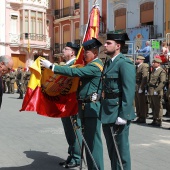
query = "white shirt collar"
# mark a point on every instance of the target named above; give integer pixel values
(69, 61)
(114, 57)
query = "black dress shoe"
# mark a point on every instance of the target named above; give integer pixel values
(71, 165)
(140, 120)
(62, 163)
(156, 124)
(20, 98)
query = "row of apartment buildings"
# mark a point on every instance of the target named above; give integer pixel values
(31, 28)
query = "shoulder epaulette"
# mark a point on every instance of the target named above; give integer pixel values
(98, 65)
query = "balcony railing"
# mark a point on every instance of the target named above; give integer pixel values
(33, 36)
(15, 38)
(65, 12)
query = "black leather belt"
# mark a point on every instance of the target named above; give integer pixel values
(84, 101)
(112, 95)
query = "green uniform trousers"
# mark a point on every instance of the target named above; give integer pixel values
(122, 140)
(92, 135)
(74, 149)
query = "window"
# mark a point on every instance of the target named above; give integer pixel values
(26, 22)
(14, 21)
(33, 22)
(21, 22)
(40, 26)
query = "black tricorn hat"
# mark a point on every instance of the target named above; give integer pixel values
(71, 45)
(118, 37)
(90, 44)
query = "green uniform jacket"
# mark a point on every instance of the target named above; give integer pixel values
(118, 77)
(89, 79)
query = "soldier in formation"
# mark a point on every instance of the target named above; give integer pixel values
(142, 70)
(19, 81)
(156, 85)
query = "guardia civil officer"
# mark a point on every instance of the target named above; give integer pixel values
(88, 105)
(74, 151)
(156, 85)
(118, 93)
(141, 83)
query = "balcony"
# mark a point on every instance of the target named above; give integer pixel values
(34, 39)
(65, 12)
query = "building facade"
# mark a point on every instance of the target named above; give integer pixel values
(167, 16)
(27, 29)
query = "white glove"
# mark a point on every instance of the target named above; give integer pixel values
(45, 63)
(120, 121)
(146, 92)
(93, 97)
(140, 90)
(155, 93)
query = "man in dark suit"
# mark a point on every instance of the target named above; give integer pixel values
(117, 109)
(6, 64)
(89, 104)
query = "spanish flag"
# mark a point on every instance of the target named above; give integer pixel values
(55, 95)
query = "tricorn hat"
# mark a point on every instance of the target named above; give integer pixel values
(71, 45)
(118, 37)
(90, 44)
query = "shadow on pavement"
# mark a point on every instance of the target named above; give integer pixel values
(41, 161)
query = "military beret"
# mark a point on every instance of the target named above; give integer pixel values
(90, 44)
(118, 37)
(157, 60)
(71, 45)
(140, 57)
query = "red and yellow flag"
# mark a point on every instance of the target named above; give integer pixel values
(54, 95)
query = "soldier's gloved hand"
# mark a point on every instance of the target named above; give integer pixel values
(45, 63)
(20, 83)
(120, 121)
(94, 97)
(155, 93)
(140, 90)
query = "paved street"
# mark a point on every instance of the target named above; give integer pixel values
(32, 142)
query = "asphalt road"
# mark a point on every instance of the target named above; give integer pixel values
(32, 142)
